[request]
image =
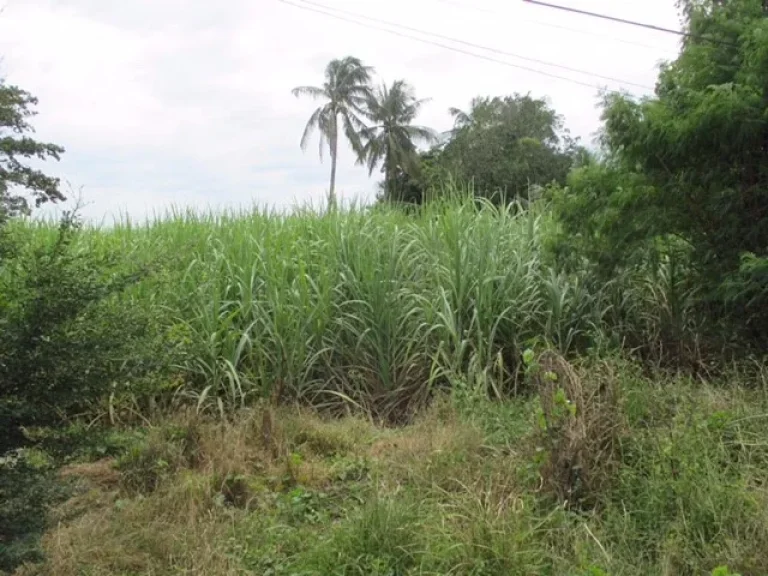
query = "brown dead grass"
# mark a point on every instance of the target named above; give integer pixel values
(179, 526)
(101, 473)
(444, 455)
(230, 470)
(175, 531)
(581, 445)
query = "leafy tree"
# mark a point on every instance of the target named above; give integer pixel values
(505, 145)
(691, 163)
(346, 90)
(16, 147)
(415, 186)
(391, 140)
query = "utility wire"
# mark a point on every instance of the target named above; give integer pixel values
(322, 9)
(630, 22)
(551, 25)
(446, 46)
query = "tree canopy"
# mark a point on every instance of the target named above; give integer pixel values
(504, 145)
(690, 164)
(18, 180)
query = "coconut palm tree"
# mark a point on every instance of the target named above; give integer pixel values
(346, 91)
(462, 119)
(391, 139)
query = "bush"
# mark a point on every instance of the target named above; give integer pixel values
(687, 167)
(69, 334)
(580, 424)
(27, 488)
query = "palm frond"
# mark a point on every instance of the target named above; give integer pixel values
(353, 129)
(421, 133)
(325, 125)
(312, 91)
(372, 152)
(460, 119)
(312, 124)
(347, 92)
(390, 141)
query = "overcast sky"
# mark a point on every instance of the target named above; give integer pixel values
(187, 103)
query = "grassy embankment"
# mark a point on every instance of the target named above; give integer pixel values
(504, 466)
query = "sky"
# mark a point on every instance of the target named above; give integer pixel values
(187, 103)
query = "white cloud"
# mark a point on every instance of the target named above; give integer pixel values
(187, 102)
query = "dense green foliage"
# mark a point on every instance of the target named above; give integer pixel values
(28, 488)
(506, 146)
(686, 173)
(377, 307)
(70, 335)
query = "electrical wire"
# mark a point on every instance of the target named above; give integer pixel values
(551, 25)
(473, 45)
(323, 9)
(630, 22)
(445, 46)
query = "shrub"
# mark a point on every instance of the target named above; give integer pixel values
(580, 424)
(28, 486)
(69, 336)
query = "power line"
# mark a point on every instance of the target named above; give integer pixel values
(322, 9)
(445, 46)
(551, 25)
(630, 22)
(478, 46)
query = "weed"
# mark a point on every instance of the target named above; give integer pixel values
(380, 539)
(162, 452)
(580, 424)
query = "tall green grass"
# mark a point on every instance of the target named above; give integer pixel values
(373, 307)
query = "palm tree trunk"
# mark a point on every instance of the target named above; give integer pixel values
(388, 175)
(334, 150)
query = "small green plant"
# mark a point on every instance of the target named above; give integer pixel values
(595, 571)
(300, 506)
(723, 571)
(351, 469)
(382, 539)
(154, 458)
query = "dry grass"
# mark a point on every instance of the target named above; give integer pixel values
(446, 458)
(225, 470)
(345, 496)
(177, 530)
(179, 521)
(583, 424)
(101, 473)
